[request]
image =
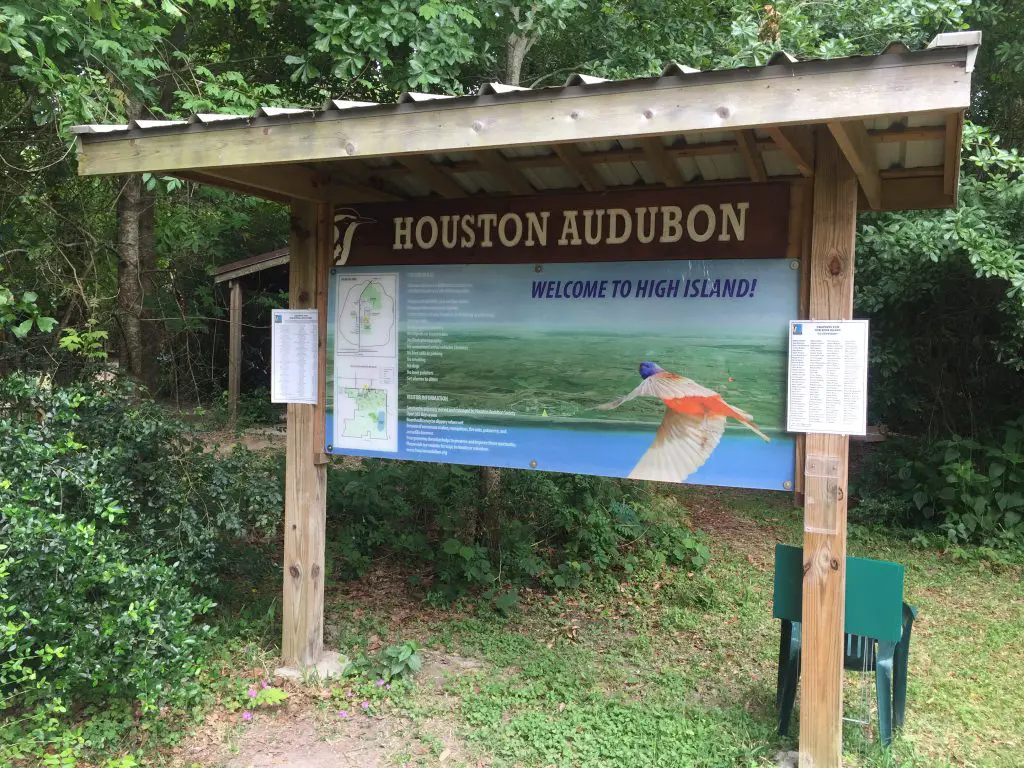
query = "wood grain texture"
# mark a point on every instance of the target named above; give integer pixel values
(637, 154)
(234, 351)
(844, 92)
(492, 161)
(213, 181)
(951, 160)
(833, 231)
(662, 163)
(324, 254)
(797, 143)
(801, 194)
(431, 174)
(853, 140)
(295, 182)
(580, 168)
(747, 144)
(305, 481)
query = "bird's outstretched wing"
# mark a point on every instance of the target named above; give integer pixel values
(667, 386)
(682, 444)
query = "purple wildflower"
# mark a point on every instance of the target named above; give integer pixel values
(388, 686)
(252, 693)
(365, 705)
(264, 684)
(343, 714)
(380, 683)
(247, 716)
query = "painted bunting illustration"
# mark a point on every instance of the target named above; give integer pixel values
(694, 421)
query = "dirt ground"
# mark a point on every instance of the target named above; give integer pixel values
(304, 735)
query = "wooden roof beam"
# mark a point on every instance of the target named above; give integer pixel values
(797, 143)
(632, 155)
(580, 168)
(296, 182)
(853, 140)
(951, 156)
(746, 142)
(661, 162)
(840, 90)
(232, 186)
(495, 163)
(355, 172)
(432, 175)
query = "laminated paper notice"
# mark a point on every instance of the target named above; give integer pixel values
(828, 361)
(293, 356)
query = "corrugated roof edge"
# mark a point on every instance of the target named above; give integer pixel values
(250, 261)
(940, 45)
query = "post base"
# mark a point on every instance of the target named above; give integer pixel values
(331, 664)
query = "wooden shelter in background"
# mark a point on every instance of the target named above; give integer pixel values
(877, 133)
(233, 275)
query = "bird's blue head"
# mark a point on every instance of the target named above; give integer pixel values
(648, 369)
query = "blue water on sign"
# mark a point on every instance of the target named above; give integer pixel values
(740, 460)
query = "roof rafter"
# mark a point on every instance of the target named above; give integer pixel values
(585, 172)
(747, 144)
(662, 163)
(432, 174)
(492, 160)
(852, 138)
(797, 143)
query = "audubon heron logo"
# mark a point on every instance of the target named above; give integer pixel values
(346, 222)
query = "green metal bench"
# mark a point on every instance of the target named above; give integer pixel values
(877, 625)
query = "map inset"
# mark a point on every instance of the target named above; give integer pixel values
(364, 346)
(369, 419)
(367, 317)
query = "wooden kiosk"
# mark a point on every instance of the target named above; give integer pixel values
(870, 133)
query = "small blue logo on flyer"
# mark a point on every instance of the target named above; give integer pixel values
(279, 318)
(798, 329)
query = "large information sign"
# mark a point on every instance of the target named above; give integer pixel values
(660, 368)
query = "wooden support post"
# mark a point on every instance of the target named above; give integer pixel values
(234, 352)
(833, 232)
(305, 480)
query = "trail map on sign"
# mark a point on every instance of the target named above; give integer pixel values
(366, 363)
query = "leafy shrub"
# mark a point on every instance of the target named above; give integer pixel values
(971, 490)
(254, 408)
(392, 663)
(111, 516)
(551, 530)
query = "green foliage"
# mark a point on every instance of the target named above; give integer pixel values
(256, 696)
(549, 530)
(110, 516)
(88, 343)
(20, 313)
(254, 408)
(945, 294)
(392, 663)
(971, 490)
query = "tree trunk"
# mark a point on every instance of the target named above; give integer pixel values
(516, 47)
(130, 292)
(152, 331)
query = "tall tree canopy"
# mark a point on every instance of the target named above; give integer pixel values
(92, 250)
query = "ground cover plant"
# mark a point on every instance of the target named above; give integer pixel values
(667, 665)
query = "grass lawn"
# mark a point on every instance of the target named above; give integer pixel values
(676, 668)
